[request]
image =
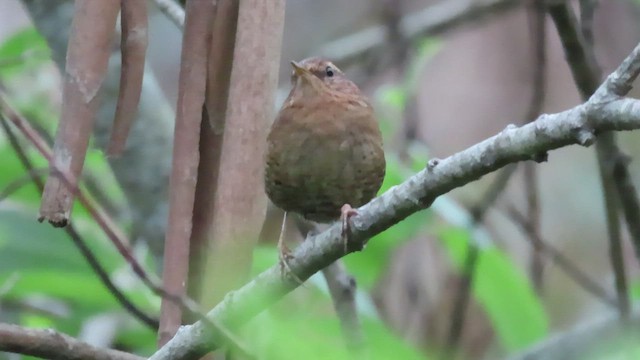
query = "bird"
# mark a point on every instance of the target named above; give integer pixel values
(325, 154)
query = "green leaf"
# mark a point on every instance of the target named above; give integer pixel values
(384, 344)
(503, 290)
(426, 49)
(25, 49)
(322, 335)
(264, 257)
(43, 261)
(12, 170)
(393, 96)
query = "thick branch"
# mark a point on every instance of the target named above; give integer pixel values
(50, 344)
(548, 132)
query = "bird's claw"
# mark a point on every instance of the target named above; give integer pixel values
(345, 213)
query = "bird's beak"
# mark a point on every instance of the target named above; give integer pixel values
(299, 70)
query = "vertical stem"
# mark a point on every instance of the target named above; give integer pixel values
(239, 204)
(191, 95)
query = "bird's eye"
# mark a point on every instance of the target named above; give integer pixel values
(329, 71)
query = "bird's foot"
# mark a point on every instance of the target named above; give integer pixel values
(345, 213)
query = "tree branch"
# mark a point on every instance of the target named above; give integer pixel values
(562, 262)
(434, 19)
(50, 344)
(574, 126)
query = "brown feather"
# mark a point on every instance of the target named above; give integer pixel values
(324, 148)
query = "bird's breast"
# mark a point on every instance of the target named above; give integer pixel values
(320, 157)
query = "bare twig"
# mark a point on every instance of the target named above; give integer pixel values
(586, 74)
(432, 20)
(50, 344)
(500, 183)
(539, 80)
(467, 273)
(562, 262)
(461, 301)
(587, 12)
(87, 57)
(548, 132)
(75, 235)
(120, 242)
(133, 47)
(342, 288)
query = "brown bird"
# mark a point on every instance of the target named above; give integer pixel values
(325, 150)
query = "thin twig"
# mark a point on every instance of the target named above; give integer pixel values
(467, 273)
(78, 240)
(586, 74)
(587, 13)
(556, 257)
(432, 20)
(500, 184)
(539, 80)
(342, 288)
(117, 238)
(461, 302)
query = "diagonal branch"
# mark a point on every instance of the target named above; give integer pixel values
(75, 236)
(574, 126)
(119, 241)
(561, 261)
(50, 344)
(432, 20)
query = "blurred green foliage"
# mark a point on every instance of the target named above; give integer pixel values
(504, 291)
(40, 267)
